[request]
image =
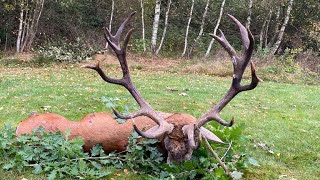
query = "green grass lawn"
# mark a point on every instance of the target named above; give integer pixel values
(282, 120)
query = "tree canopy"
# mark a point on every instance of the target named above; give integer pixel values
(63, 21)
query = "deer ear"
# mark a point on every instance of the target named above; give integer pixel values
(209, 135)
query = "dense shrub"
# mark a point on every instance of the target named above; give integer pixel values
(68, 52)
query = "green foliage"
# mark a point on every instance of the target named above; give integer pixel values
(66, 52)
(288, 60)
(137, 45)
(59, 157)
(48, 153)
(263, 52)
(143, 156)
(119, 104)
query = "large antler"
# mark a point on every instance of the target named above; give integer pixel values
(239, 66)
(125, 81)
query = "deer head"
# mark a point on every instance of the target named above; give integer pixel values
(179, 135)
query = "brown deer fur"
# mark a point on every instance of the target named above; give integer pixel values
(97, 128)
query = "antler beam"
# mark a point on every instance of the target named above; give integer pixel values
(239, 66)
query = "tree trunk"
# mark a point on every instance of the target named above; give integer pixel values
(142, 22)
(6, 42)
(26, 20)
(34, 26)
(155, 26)
(276, 29)
(165, 26)
(215, 29)
(267, 28)
(249, 14)
(21, 19)
(110, 22)
(201, 29)
(187, 30)
(283, 27)
(261, 36)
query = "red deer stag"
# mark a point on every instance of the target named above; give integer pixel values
(179, 133)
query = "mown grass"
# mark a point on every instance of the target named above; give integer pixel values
(282, 120)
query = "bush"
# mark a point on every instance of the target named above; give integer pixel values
(66, 52)
(52, 154)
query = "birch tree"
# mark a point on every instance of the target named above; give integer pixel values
(263, 36)
(276, 28)
(30, 13)
(155, 27)
(283, 27)
(142, 23)
(267, 28)
(31, 29)
(20, 30)
(215, 29)
(249, 14)
(165, 26)
(110, 21)
(187, 30)
(204, 15)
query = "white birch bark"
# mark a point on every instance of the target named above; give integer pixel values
(155, 27)
(283, 27)
(249, 14)
(165, 26)
(204, 15)
(34, 26)
(25, 23)
(215, 29)
(143, 30)
(187, 30)
(110, 22)
(21, 19)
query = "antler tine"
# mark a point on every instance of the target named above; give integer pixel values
(224, 42)
(239, 66)
(243, 32)
(97, 68)
(125, 81)
(122, 26)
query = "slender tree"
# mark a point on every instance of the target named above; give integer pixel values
(142, 23)
(33, 27)
(267, 28)
(20, 30)
(30, 14)
(165, 26)
(187, 30)
(283, 27)
(110, 21)
(204, 15)
(215, 29)
(261, 35)
(249, 14)
(276, 28)
(155, 27)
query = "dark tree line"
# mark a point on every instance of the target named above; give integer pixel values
(26, 24)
